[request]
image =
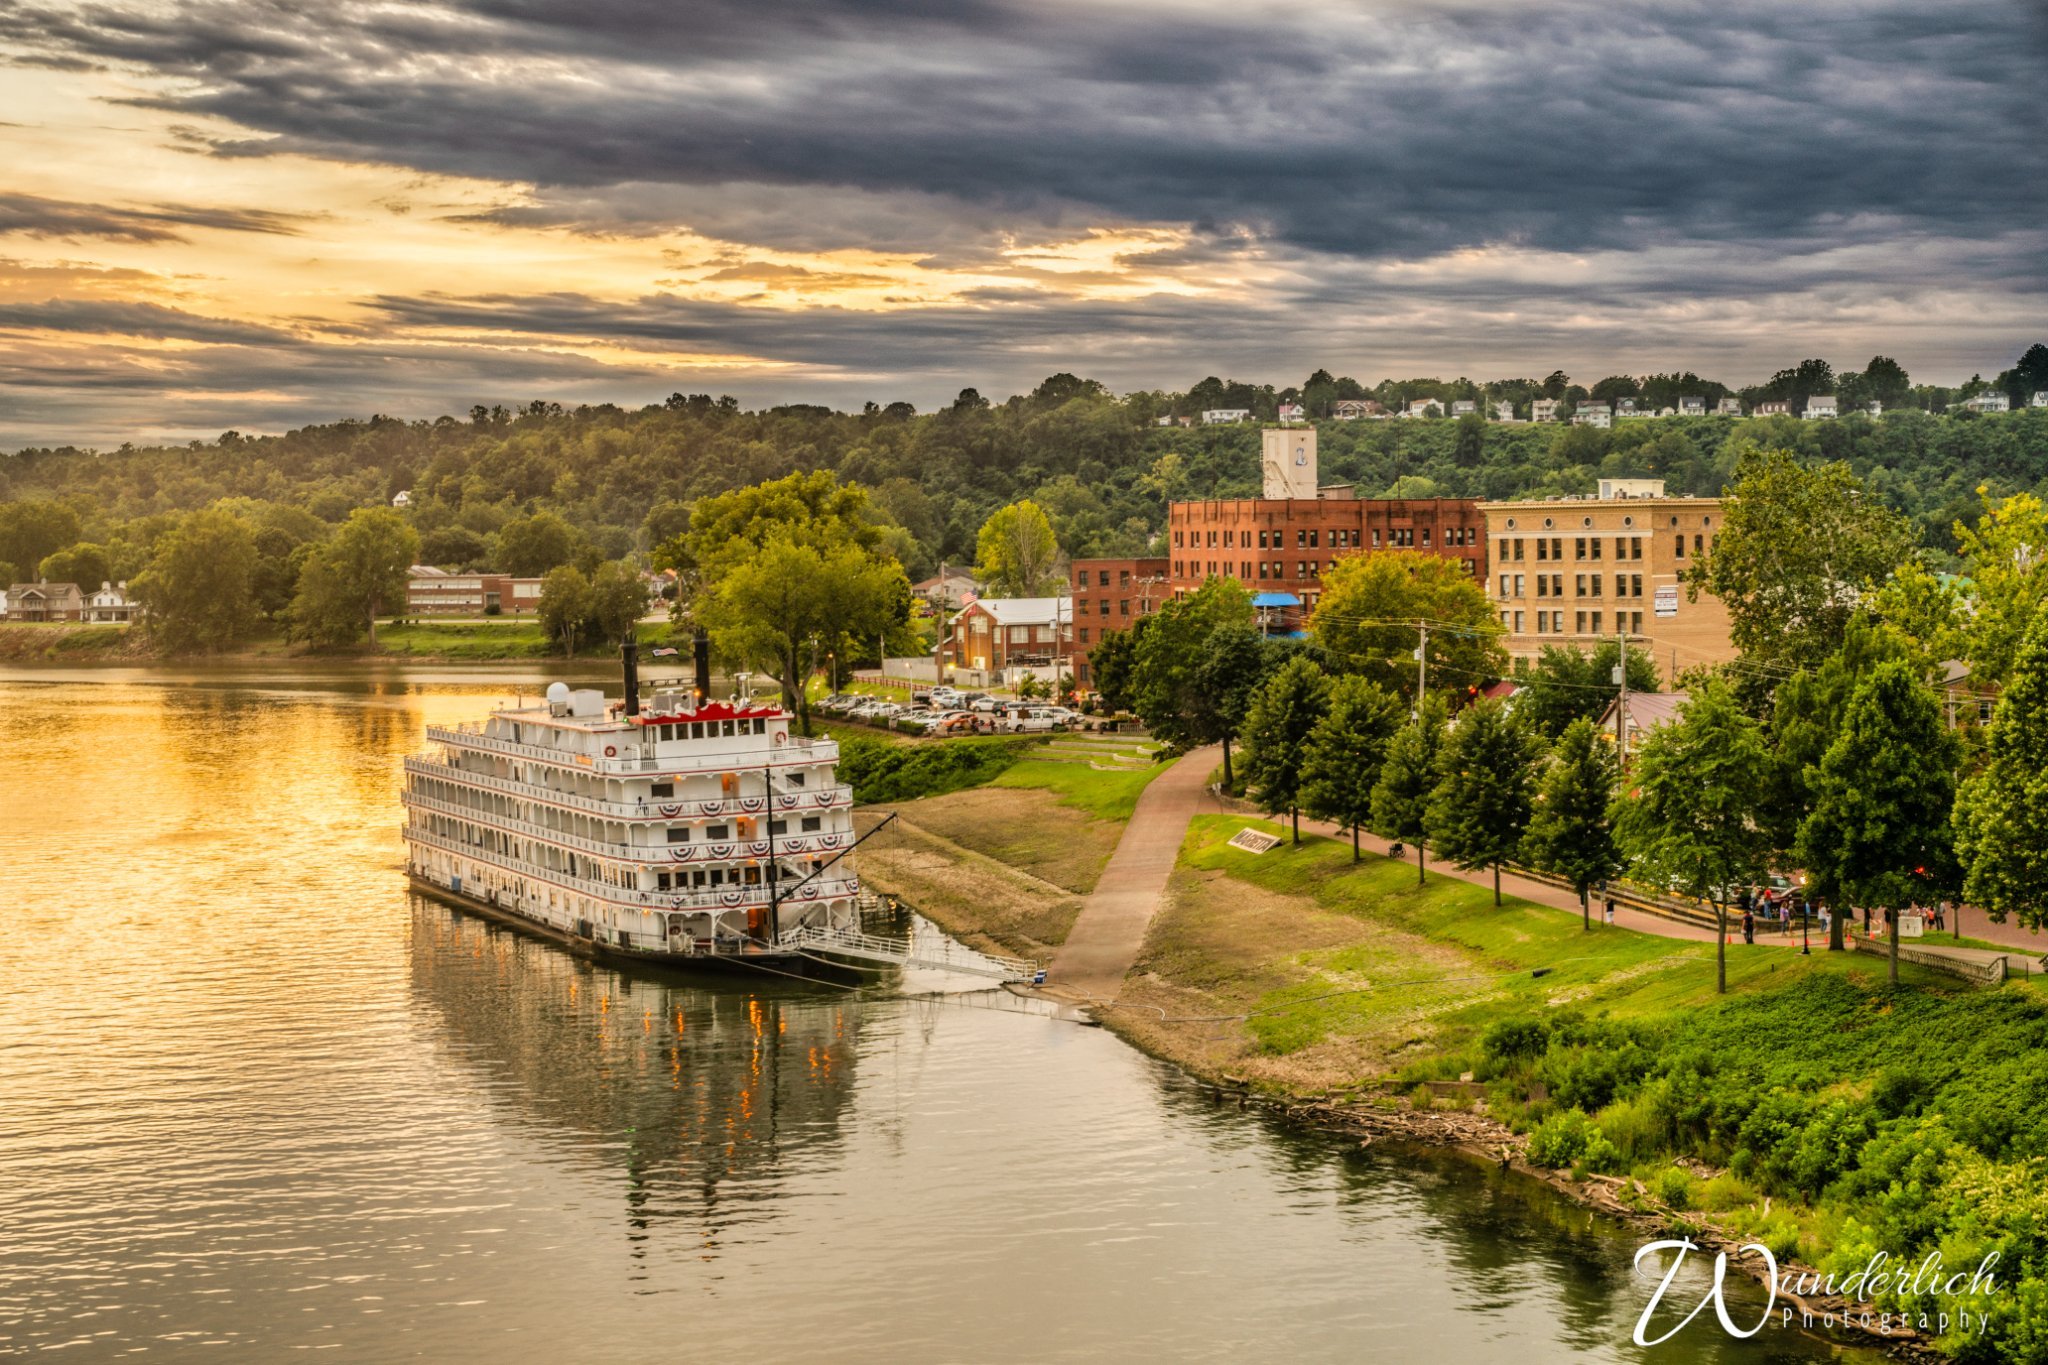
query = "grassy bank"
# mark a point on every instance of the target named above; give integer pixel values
(1812, 1109)
(72, 642)
(507, 639)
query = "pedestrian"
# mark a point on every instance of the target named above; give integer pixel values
(1748, 927)
(1610, 909)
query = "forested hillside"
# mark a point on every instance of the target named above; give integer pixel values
(1099, 465)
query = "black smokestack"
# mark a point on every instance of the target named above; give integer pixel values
(700, 649)
(629, 664)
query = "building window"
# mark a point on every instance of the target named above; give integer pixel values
(1518, 548)
(1503, 585)
(1519, 589)
(1596, 547)
(1123, 607)
(1083, 633)
(1375, 537)
(1579, 548)
(1678, 551)
(1596, 623)
(1557, 585)
(1542, 548)
(1699, 544)
(1425, 537)
(1593, 582)
(1635, 547)
(1518, 623)
(1635, 589)
(1580, 622)
(1542, 587)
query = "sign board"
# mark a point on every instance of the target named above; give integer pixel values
(1666, 603)
(1254, 841)
(1912, 926)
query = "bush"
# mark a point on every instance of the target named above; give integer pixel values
(1569, 1138)
(880, 771)
(1514, 1040)
(1674, 1186)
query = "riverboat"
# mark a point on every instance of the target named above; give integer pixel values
(690, 831)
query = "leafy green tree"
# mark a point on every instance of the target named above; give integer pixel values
(1685, 817)
(2002, 811)
(530, 546)
(1400, 799)
(1016, 553)
(453, 547)
(1367, 620)
(1341, 761)
(769, 606)
(1284, 712)
(618, 599)
(1567, 684)
(1883, 795)
(1571, 834)
(1114, 661)
(197, 593)
(357, 575)
(1170, 648)
(1230, 669)
(1485, 790)
(565, 606)
(665, 521)
(85, 564)
(31, 531)
(2006, 553)
(1800, 549)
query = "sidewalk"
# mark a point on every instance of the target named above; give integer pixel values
(1110, 930)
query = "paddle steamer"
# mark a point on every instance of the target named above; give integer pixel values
(693, 831)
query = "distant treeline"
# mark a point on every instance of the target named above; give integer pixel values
(1099, 464)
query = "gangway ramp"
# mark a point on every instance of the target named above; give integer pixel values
(929, 951)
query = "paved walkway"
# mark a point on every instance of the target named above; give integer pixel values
(1110, 930)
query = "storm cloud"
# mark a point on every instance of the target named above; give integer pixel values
(1483, 187)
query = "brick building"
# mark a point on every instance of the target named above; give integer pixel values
(435, 592)
(1110, 595)
(993, 634)
(1575, 570)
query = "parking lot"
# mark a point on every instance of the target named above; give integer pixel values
(949, 712)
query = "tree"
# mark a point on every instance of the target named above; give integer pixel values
(565, 606)
(1342, 758)
(1685, 818)
(770, 605)
(1799, 549)
(197, 593)
(85, 564)
(33, 530)
(1366, 620)
(1231, 666)
(2002, 811)
(1883, 797)
(1567, 684)
(530, 546)
(1170, 648)
(1571, 834)
(1283, 713)
(1113, 661)
(1400, 799)
(2007, 557)
(356, 576)
(453, 547)
(1016, 553)
(618, 599)
(1485, 790)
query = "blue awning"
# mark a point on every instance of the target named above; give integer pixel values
(1276, 599)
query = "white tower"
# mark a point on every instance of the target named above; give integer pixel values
(1290, 461)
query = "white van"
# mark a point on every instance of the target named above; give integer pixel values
(1018, 720)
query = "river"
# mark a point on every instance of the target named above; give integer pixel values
(257, 1098)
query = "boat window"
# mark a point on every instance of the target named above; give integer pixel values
(664, 789)
(778, 826)
(812, 822)
(794, 779)
(760, 727)
(718, 831)
(728, 731)
(677, 834)
(696, 729)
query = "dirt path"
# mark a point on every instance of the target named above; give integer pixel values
(1104, 941)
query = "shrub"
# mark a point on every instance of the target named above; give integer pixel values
(1514, 1040)
(880, 771)
(1565, 1139)
(1674, 1187)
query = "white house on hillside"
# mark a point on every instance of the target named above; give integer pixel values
(1217, 417)
(1991, 400)
(1592, 414)
(1692, 407)
(1543, 410)
(1820, 406)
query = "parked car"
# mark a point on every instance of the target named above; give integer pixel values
(986, 704)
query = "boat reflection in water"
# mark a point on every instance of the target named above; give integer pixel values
(704, 1093)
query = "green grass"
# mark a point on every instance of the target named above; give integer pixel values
(1104, 795)
(1612, 971)
(510, 639)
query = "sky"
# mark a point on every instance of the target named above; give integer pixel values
(258, 214)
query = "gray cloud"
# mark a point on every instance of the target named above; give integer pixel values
(126, 318)
(33, 215)
(1396, 131)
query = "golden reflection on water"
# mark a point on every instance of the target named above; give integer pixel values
(255, 1093)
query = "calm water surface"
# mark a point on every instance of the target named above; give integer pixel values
(258, 1099)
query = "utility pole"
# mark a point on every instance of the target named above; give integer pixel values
(1621, 701)
(1421, 667)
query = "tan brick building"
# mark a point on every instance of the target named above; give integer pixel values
(1577, 570)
